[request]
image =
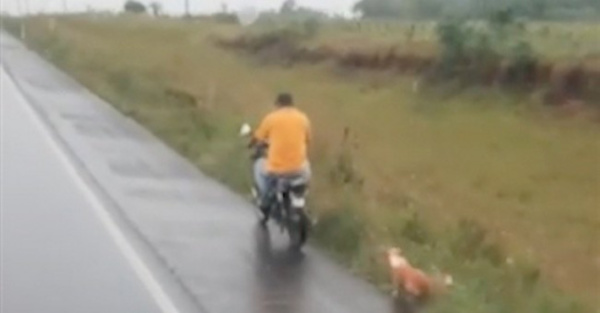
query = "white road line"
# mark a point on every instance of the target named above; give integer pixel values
(143, 272)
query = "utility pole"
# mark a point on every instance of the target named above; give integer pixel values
(64, 4)
(187, 8)
(23, 30)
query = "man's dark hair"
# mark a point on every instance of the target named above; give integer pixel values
(284, 99)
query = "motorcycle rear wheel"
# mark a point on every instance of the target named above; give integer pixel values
(298, 230)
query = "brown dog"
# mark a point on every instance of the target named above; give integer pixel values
(412, 281)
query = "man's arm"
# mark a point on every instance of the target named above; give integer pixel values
(262, 132)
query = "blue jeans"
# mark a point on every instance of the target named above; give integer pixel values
(265, 181)
(260, 175)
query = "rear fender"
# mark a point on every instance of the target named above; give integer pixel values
(297, 201)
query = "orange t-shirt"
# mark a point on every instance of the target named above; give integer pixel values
(287, 130)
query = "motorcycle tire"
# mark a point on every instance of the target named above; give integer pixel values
(298, 230)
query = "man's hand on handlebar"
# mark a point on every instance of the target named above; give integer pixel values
(253, 142)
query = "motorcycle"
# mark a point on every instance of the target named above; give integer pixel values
(288, 205)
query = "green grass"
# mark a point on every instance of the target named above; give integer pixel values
(461, 180)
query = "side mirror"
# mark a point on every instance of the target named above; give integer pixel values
(245, 130)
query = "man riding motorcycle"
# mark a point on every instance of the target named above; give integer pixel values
(287, 132)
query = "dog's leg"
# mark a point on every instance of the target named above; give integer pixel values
(395, 284)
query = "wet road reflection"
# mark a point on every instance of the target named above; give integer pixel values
(282, 278)
(279, 274)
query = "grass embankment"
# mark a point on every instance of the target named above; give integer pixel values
(462, 181)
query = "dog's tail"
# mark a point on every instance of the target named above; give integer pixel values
(442, 283)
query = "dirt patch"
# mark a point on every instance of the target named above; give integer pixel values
(280, 48)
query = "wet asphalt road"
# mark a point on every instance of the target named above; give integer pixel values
(194, 246)
(57, 257)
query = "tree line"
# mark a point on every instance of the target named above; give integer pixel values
(435, 9)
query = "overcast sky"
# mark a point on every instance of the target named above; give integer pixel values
(170, 6)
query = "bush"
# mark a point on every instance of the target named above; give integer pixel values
(132, 6)
(312, 26)
(472, 242)
(522, 64)
(493, 52)
(226, 18)
(288, 37)
(454, 37)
